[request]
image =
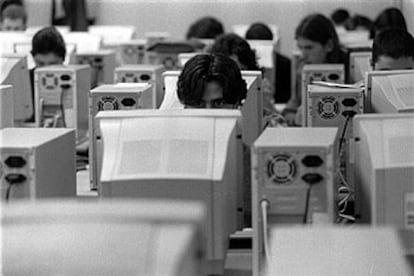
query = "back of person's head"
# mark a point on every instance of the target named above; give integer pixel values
(205, 28)
(259, 31)
(394, 43)
(318, 28)
(360, 22)
(13, 16)
(205, 68)
(389, 18)
(236, 47)
(340, 16)
(48, 40)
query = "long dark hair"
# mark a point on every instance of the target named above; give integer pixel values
(318, 28)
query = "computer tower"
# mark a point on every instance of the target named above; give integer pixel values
(384, 173)
(319, 72)
(102, 62)
(133, 51)
(293, 172)
(14, 72)
(106, 237)
(120, 96)
(61, 97)
(182, 154)
(143, 73)
(335, 250)
(37, 163)
(6, 106)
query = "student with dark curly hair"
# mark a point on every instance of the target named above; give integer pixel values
(211, 81)
(393, 49)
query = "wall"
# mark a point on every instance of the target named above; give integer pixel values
(408, 10)
(174, 16)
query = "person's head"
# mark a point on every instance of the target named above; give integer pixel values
(259, 31)
(393, 49)
(237, 48)
(389, 18)
(317, 40)
(48, 47)
(205, 28)
(340, 16)
(360, 22)
(13, 16)
(211, 81)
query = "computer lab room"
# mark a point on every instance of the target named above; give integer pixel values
(207, 138)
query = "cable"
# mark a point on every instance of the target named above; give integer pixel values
(264, 204)
(305, 215)
(341, 140)
(62, 108)
(8, 191)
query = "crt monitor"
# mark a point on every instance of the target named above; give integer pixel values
(79, 237)
(14, 72)
(393, 93)
(182, 154)
(113, 35)
(359, 63)
(368, 89)
(384, 172)
(6, 106)
(335, 250)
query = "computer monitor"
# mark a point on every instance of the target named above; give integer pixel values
(88, 237)
(26, 47)
(6, 106)
(319, 72)
(393, 93)
(252, 109)
(14, 72)
(37, 163)
(293, 180)
(84, 41)
(359, 64)
(369, 83)
(102, 63)
(352, 38)
(184, 57)
(61, 97)
(182, 154)
(113, 35)
(8, 39)
(384, 172)
(335, 250)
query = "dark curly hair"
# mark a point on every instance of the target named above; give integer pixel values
(49, 40)
(204, 68)
(394, 43)
(232, 44)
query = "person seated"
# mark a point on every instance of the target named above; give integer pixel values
(207, 27)
(319, 44)
(260, 31)
(389, 18)
(48, 48)
(211, 81)
(393, 49)
(239, 50)
(12, 16)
